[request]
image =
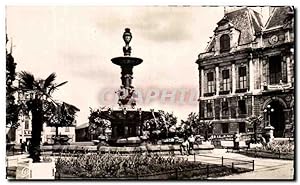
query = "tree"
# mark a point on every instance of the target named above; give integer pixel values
(194, 125)
(191, 125)
(62, 115)
(206, 126)
(97, 125)
(164, 124)
(12, 108)
(255, 121)
(40, 104)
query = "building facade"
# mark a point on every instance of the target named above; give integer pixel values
(23, 132)
(248, 69)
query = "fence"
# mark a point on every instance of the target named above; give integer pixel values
(236, 165)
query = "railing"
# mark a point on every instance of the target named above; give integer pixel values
(237, 165)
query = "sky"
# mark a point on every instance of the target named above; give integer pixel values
(78, 42)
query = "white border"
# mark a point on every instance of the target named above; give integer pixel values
(117, 3)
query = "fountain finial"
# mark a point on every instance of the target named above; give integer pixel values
(127, 36)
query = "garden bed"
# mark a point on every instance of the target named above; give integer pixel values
(267, 154)
(152, 166)
(278, 149)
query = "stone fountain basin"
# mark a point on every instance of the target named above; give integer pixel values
(130, 115)
(131, 61)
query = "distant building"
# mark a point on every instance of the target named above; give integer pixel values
(82, 133)
(246, 67)
(23, 132)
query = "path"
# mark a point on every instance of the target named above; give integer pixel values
(264, 168)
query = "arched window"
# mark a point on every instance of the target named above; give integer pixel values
(224, 43)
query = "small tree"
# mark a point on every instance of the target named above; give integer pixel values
(255, 121)
(191, 125)
(62, 115)
(97, 125)
(162, 124)
(206, 126)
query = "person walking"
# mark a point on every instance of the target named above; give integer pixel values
(191, 140)
(236, 140)
(184, 147)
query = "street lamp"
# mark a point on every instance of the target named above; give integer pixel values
(268, 110)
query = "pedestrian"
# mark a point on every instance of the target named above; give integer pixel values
(22, 147)
(184, 147)
(236, 140)
(191, 140)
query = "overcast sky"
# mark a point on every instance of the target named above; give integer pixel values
(78, 43)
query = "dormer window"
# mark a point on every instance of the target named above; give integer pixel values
(224, 43)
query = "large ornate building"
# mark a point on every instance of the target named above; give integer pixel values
(248, 69)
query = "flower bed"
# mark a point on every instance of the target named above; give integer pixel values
(275, 150)
(153, 166)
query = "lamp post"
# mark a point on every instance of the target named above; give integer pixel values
(268, 110)
(269, 128)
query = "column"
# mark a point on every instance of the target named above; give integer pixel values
(202, 82)
(251, 74)
(233, 78)
(288, 69)
(217, 80)
(261, 73)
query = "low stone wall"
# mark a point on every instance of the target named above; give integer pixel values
(162, 149)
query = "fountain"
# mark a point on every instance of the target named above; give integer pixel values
(127, 121)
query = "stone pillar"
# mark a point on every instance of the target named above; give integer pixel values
(217, 80)
(288, 69)
(263, 71)
(202, 83)
(251, 74)
(233, 78)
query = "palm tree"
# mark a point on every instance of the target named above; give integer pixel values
(40, 105)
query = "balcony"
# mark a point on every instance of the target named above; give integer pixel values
(209, 94)
(241, 90)
(224, 92)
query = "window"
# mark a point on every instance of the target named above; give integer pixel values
(242, 107)
(242, 127)
(225, 128)
(209, 110)
(225, 109)
(224, 43)
(225, 76)
(210, 82)
(242, 78)
(275, 69)
(67, 129)
(26, 124)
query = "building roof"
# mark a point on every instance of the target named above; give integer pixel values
(279, 16)
(247, 21)
(84, 125)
